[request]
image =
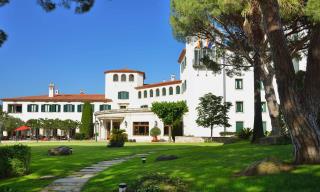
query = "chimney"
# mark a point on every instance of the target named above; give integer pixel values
(82, 91)
(172, 77)
(56, 92)
(51, 90)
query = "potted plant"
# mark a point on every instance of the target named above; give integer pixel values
(155, 132)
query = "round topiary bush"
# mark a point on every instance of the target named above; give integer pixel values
(157, 182)
(155, 132)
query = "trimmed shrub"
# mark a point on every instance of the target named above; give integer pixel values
(155, 132)
(79, 136)
(14, 160)
(245, 133)
(118, 138)
(157, 182)
(86, 126)
(227, 133)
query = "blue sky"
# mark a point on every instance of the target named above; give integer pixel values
(74, 50)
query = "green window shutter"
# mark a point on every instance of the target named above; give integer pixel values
(37, 108)
(73, 108)
(29, 108)
(43, 108)
(109, 107)
(65, 108)
(79, 108)
(239, 126)
(139, 94)
(92, 106)
(239, 106)
(101, 107)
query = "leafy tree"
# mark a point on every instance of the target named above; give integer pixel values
(10, 123)
(70, 126)
(87, 120)
(35, 125)
(300, 107)
(213, 112)
(169, 113)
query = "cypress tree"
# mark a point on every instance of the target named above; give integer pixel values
(86, 126)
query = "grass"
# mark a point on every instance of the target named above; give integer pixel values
(205, 167)
(212, 168)
(85, 154)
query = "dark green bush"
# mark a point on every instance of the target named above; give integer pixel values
(14, 160)
(245, 133)
(118, 138)
(79, 136)
(227, 133)
(157, 182)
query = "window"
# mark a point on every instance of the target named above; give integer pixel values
(45, 108)
(55, 108)
(140, 128)
(50, 108)
(239, 126)
(68, 108)
(139, 94)
(123, 95)
(239, 84)
(166, 130)
(183, 64)
(164, 91)
(123, 107)
(14, 108)
(144, 106)
(170, 91)
(157, 92)
(151, 93)
(115, 77)
(239, 106)
(178, 90)
(33, 108)
(123, 78)
(264, 106)
(92, 105)
(145, 94)
(131, 77)
(80, 108)
(196, 56)
(184, 86)
(264, 126)
(105, 107)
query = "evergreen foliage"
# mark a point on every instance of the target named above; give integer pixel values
(87, 126)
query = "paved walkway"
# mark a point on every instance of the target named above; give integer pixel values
(76, 181)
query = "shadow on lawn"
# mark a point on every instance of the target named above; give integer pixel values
(212, 168)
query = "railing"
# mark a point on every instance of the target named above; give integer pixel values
(129, 110)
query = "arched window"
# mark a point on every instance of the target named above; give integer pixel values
(115, 77)
(131, 77)
(164, 91)
(145, 94)
(157, 92)
(123, 95)
(151, 93)
(123, 77)
(170, 91)
(178, 90)
(139, 94)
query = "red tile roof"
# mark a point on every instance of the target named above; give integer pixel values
(124, 71)
(62, 98)
(159, 84)
(182, 55)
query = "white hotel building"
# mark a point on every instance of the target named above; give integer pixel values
(127, 100)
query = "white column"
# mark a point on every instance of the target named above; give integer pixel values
(111, 125)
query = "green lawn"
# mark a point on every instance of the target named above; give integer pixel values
(211, 168)
(205, 167)
(85, 154)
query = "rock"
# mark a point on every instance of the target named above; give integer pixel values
(62, 150)
(166, 158)
(265, 167)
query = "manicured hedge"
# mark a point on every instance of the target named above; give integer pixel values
(14, 160)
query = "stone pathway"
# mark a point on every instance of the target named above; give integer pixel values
(76, 181)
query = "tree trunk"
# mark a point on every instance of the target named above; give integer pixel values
(256, 37)
(271, 99)
(211, 132)
(304, 133)
(170, 133)
(257, 125)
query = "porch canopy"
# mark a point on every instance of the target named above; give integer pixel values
(22, 128)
